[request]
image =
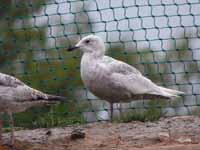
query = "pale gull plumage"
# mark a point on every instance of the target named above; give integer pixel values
(15, 96)
(114, 80)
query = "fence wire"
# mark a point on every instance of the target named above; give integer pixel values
(159, 37)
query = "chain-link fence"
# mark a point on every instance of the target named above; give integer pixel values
(159, 37)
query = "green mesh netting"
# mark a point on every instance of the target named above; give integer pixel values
(159, 37)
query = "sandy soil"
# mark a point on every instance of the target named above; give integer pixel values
(175, 133)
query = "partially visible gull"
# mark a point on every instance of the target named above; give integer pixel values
(113, 80)
(15, 96)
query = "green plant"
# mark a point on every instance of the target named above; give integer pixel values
(152, 113)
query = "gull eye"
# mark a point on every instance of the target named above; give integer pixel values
(87, 41)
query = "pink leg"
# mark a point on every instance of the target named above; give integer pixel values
(12, 128)
(120, 110)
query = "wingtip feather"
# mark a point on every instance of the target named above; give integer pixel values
(56, 98)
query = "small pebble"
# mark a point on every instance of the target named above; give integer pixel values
(77, 134)
(48, 133)
(184, 140)
(164, 136)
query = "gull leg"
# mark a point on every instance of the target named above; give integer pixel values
(111, 111)
(1, 125)
(120, 109)
(12, 128)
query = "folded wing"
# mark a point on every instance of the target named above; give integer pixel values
(140, 85)
(132, 81)
(10, 81)
(13, 89)
(116, 66)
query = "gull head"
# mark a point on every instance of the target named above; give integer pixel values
(90, 44)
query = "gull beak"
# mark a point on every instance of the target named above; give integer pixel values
(71, 48)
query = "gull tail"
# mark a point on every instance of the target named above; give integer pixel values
(170, 93)
(55, 98)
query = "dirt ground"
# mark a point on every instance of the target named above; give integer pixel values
(175, 133)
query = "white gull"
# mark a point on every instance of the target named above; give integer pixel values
(113, 80)
(15, 96)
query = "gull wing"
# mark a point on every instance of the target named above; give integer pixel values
(10, 81)
(131, 80)
(13, 89)
(117, 66)
(136, 84)
(142, 87)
